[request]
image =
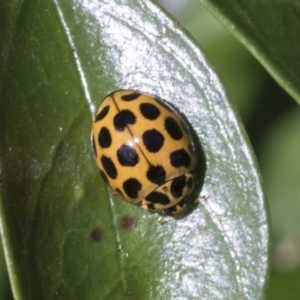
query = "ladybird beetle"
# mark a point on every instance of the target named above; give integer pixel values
(144, 151)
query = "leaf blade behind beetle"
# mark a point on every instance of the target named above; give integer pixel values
(60, 221)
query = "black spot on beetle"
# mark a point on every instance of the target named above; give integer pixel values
(127, 156)
(104, 177)
(94, 147)
(123, 118)
(157, 197)
(131, 96)
(149, 111)
(177, 186)
(156, 174)
(173, 128)
(109, 167)
(153, 140)
(104, 138)
(102, 113)
(180, 158)
(131, 187)
(171, 211)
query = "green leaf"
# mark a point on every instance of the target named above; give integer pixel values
(65, 235)
(5, 292)
(270, 30)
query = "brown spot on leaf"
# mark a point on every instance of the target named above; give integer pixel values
(96, 234)
(128, 222)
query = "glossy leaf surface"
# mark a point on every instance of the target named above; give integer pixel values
(64, 235)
